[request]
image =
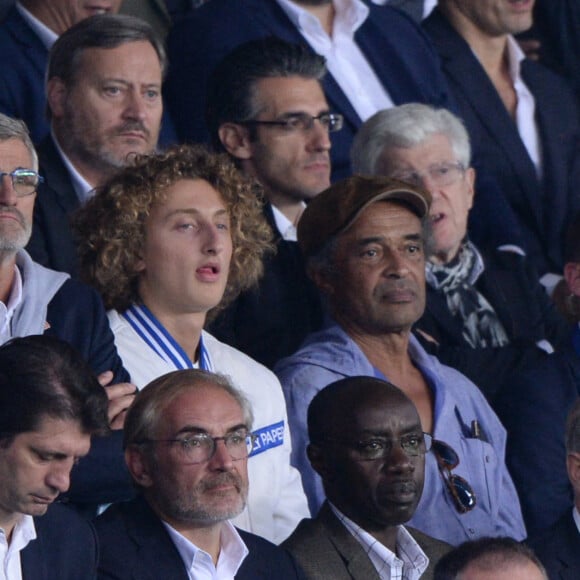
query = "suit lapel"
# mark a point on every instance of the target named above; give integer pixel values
(158, 556)
(33, 560)
(57, 176)
(468, 79)
(568, 554)
(356, 560)
(28, 42)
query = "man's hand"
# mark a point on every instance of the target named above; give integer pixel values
(120, 397)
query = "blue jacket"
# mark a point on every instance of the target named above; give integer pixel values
(559, 548)
(542, 208)
(330, 355)
(65, 548)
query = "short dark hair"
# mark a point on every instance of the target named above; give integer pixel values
(489, 553)
(573, 429)
(100, 31)
(43, 376)
(231, 88)
(340, 397)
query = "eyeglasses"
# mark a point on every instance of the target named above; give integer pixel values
(295, 122)
(24, 181)
(201, 447)
(375, 448)
(460, 489)
(440, 175)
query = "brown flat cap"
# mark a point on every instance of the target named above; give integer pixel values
(336, 208)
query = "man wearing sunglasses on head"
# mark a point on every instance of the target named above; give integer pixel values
(267, 110)
(365, 240)
(187, 441)
(367, 445)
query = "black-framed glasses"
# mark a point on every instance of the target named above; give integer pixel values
(24, 181)
(461, 491)
(201, 447)
(440, 174)
(295, 122)
(376, 447)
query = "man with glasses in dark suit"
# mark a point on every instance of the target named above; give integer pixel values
(367, 444)
(187, 442)
(365, 240)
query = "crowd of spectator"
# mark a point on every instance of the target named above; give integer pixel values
(289, 288)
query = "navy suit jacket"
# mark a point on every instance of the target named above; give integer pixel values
(543, 208)
(76, 314)
(559, 549)
(394, 46)
(65, 548)
(23, 61)
(52, 243)
(134, 545)
(270, 321)
(533, 410)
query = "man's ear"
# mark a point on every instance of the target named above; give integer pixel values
(56, 93)
(236, 140)
(470, 176)
(318, 461)
(572, 276)
(139, 466)
(322, 280)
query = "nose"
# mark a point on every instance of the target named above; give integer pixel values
(427, 182)
(58, 477)
(398, 460)
(135, 106)
(396, 264)
(221, 459)
(7, 194)
(213, 242)
(319, 137)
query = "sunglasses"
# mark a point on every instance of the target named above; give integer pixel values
(459, 488)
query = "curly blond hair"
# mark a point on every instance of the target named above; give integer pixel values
(111, 226)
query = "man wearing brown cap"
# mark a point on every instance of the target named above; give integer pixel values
(364, 242)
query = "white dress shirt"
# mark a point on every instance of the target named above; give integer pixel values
(23, 533)
(285, 227)
(345, 60)
(409, 564)
(199, 564)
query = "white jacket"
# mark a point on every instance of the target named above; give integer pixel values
(276, 500)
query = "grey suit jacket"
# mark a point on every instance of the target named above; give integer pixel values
(324, 549)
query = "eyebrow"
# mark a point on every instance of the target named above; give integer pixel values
(129, 83)
(195, 212)
(194, 430)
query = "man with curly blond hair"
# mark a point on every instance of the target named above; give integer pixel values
(166, 242)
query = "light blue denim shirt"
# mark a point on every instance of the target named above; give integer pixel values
(330, 355)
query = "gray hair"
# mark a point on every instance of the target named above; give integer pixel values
(573, 429)
(100, 31)
(146, 412)
(16, 129)
(405, 127)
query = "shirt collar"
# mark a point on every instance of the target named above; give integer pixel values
(23, 533)
(233, 551)
(47, 36)
(515, 57)
(349, 16)
(410, 553)
(286, 228)
(82, 187)
(576, 516)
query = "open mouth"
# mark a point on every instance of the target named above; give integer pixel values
(436, 217)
